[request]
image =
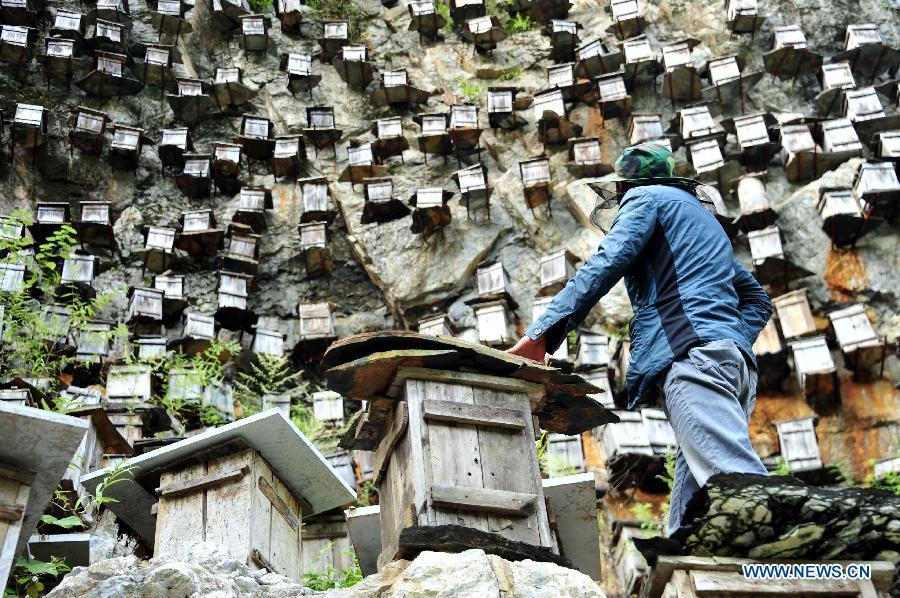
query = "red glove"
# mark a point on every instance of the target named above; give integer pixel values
(530, 349)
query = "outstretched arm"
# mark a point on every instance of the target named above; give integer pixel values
(753, 301)
(629, 234)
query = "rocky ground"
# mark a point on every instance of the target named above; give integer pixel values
(212, 573)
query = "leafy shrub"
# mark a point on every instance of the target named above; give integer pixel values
(519, 23)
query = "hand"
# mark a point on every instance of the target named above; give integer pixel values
(530, 349)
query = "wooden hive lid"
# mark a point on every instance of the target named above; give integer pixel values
(369, 364)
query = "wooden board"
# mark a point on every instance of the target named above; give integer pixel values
(509, 462)
(182, 516)
(370, 375)
(395, 433)
(230, 516)
(479, 415)
(514, 504)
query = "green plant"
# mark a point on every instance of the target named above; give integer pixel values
(668, 477)
(261, 6)
(367, 494)
(441, 7)
(889, 481)
(782, 467)
(339, 10)
(470, 90)
(270, 375)
(32, 334)
(643, 512)
(510, 73)
(552, 465)
(519, 23)
(303, 417)
(840, 473)
(32, 575)
(328, 578)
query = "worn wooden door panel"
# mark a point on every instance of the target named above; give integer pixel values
(182, 516)
(505, 466)
(261, 524)
(285, 528)
(455, 453)
(15, 487)
(228, 506)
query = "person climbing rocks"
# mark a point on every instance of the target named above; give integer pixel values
(697, 313)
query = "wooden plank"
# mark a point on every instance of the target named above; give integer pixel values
(180, 517)
(10, 473)
(535, 392)
(371, 375)
(285, 548)
(10, 512)
(455, 455)
(477, 415)
(212, 480)
(391, 438)
(718, 583)
(261, 517)
(515, 504)
(280, 505)
(505, 466)
(419, 457)
(229, 506)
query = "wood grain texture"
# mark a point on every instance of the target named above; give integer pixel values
(509, 462)
(229, 508)
(216, 478)
(180, 517)
(280, 505)
(396, 430)
(455, 454)
(515, 504)
(477, 415)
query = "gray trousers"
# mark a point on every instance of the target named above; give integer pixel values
(709, 395)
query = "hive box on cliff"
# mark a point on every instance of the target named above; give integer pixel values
(454, 461)
(245, 486)
(34, 456)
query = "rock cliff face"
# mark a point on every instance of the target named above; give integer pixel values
(386, 277)
(210, 572)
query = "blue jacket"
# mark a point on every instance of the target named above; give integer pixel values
(685, 286)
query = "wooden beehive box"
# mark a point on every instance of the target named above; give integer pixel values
(628, 19)
(794, 314)
(244, 486)
(352, 64)
(799, 446)
(459, 459)
(567, 449)
(492, 280)
(288, 154)
(765, 244)
(556, 270)
(316, 321)
(328, 407)
(493, 323)
(641, 65)
(592, 350)
(536, 181)
(326, 545)
(145, 310)
(268, 342)
(233, 311)
(878, 188)
(628, 437)
(887, 145)
(839, 136)
(437, 325)
(697, 121)
(336, 35)
(255, 33)
(814, 368)
(644, 127)
(299, 72)
(860, 344)
(425, 18)
(316, 198)
(755, 210)
(175, 143)
(842, 216)
(315, 249)
(743, 16)
(473, 188)
(599, 377)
